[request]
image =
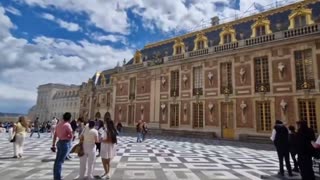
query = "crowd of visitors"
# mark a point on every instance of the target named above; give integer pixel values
(301, 143)
(101, 136)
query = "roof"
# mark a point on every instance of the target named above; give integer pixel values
(278, 22)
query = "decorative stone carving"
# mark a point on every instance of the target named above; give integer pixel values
(281, 67)
(142, 112)
(121, 87)
(283, 105)
(163, 111)
(120, 113)
(210, 77)
(163, 81)
(243, 107)
(242, 75)
(210, 107)
(185, 80)
(185, 108)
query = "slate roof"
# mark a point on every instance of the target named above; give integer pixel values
(242, 26)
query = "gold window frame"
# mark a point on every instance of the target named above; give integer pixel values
(300, 10)
(261, 21)
(225, 31)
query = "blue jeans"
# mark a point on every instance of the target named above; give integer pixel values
(139, 138)
(63, 147)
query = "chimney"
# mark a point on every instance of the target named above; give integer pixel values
(215, 21)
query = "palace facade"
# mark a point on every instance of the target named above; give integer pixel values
(232, 79)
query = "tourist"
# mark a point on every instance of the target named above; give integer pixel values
(293, 147)
(144, 130)
(74, 127)
(54, 122)
(305, 138)
(88, 138)
(119, 127)
(64, 134)
(280, 138)
(36, 127)
(139, 131)
(108, 144)
(19, 134)
(100, 129)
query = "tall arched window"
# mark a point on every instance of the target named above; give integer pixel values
(201, 41)
(227, 35)
(178, 47)
(261, 27)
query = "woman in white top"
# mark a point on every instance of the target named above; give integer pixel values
(108, 145)
(53, 126)
(89, 137)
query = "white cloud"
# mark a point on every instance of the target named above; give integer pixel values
(111, 37)
(63, 24)
(13, 10)
(25, 65)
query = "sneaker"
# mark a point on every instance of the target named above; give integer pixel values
(280, 173)
(107, 177)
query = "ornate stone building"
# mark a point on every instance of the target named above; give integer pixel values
(96, 96)
(53, 100)
(232, 79)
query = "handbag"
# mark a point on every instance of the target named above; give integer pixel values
(13, 139)
(78, 149)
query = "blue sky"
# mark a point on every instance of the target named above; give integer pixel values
(51, 41)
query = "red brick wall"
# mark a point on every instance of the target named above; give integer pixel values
(143, 86)
(185, 115)
(286, 72)
(214, 79)
(124, 91)
(164, 87)
(214, 114)
(186, 86)
(164, 114)
(248, 113)
(290, 115)
(123, 113)
(247, 76)
(146, 111)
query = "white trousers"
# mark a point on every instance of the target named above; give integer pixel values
(87, 160)
(18, 145)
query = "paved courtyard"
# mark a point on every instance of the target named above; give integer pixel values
(159, 158)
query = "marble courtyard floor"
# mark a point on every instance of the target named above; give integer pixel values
(161, 158)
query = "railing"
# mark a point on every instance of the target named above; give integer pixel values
(226, 47)
(199, 52)
(260, 39)
(301, 31)
(176, 57)
(133, 66)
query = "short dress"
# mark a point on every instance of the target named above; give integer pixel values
(108, 150)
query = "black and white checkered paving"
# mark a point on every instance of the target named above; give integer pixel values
(162, 158)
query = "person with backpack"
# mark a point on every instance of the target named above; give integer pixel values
(108, 145)
(293, 147)
(139, 129)
(305, 138)
(280, 138)
(144, 130)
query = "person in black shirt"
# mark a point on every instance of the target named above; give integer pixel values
(74, 127)
(305, 136)
(280, 138)
(119, 127)
(293, 147)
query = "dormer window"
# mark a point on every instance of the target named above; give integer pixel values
(200, 45)
(179, 50)
(137, 57)
(178, 47)
(261, 27)
(260, 30)
(300, 21)
(300, 16)
(201, 42)
(227, 35)
(227, 38)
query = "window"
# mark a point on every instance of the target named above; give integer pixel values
(226, 78)
(198, 115)
(174, 115)
(197, 80)
(132, 88)
(227, 38)
(179, 50)
(300, 21)
(304, 69)
(263, 116)
(260, 31)
(200, 44)
(174, 83)
(307, 112)
(108, 98)
(261, 74)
